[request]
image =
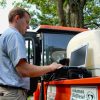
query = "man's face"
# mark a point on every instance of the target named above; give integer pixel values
(23, 23)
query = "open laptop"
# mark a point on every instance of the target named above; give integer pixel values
(78, 59)
(78, 56)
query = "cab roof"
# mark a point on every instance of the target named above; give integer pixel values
(44, 28)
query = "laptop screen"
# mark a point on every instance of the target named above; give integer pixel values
(79, 56)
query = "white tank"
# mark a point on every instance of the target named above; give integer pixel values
(92, 37)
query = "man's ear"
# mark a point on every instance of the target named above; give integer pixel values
(16, 18)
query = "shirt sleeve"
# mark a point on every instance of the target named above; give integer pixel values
(16, 48)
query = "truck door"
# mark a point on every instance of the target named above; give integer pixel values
(31, 44)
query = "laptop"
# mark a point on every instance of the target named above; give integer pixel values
(78, 59)
(78, 56)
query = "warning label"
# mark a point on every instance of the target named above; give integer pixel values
(84, 93)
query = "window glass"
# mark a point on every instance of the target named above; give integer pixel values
(55, 47)
(30, 50)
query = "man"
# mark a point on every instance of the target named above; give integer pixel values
(14, 68)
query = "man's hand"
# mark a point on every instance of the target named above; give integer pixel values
(55, 66)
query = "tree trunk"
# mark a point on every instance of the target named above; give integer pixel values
(61, 14)
(73, 11)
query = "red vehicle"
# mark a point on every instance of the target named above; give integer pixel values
(48, 44)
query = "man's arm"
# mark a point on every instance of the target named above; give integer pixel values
(28, 70)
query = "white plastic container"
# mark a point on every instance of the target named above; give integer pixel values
(92, 37)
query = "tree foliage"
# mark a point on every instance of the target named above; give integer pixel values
(3, 3)
(71, 12)
(42, 12)
(88, 15)
(62, 12)
(48, 13)
(92, 14)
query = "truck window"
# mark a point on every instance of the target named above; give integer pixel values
(29, 43)
(54, 47)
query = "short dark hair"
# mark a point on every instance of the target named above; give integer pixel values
(17, 11)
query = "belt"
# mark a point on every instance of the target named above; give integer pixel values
(11, 87)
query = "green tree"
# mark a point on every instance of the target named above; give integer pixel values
(75, 13)
(48, 13)
(42, 13)
(70, 12)
(73, 10)
(92, 14)
(3, 3)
